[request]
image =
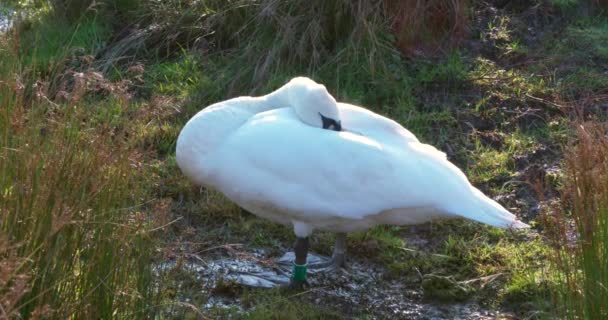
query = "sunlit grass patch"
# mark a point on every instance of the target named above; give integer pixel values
(530, 290)
(505, 83)
(503, 267)
(520, 142)
(157, 136)
(489, 256)
(503, 161)
(177, 77)
(498, 267)
(488, 164)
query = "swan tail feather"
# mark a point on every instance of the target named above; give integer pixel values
(488, 211)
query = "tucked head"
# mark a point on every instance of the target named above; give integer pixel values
(313, 104)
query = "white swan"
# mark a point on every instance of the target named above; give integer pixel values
(272, 156)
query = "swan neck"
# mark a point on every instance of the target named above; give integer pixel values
(278, 99)
(207, 130)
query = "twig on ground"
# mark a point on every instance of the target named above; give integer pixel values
(484, 280)
(223, 246)
(548, 103)
(165, 225)
(425, 253)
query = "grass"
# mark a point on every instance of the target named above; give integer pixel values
(579, 58)
(277, 305)
(92, 198)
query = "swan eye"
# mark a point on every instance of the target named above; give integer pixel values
(337, 126)
(331, 124)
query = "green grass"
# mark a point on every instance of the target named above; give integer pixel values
(578, 58)
(279, 305)
(177, 77)
(49, 43)
(564, 4)
(490, 165)
(449, 74)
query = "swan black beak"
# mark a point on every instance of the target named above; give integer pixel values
(331, 124)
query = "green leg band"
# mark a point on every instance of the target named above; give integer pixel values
(299, 272)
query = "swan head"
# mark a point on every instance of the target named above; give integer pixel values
(313, 104)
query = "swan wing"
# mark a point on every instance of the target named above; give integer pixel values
(368, 123)
(435, 173)
(312, 174)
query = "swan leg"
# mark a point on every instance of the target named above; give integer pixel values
(301, 265)
(339, 256)
(298, 277)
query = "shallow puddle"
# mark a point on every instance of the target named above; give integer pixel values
(357, 290)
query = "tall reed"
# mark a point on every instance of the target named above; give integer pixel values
(73, 242)
(578, 230)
